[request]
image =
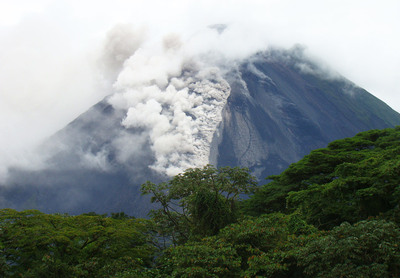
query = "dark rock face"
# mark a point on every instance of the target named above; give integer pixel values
(279, 109)
(277, 113)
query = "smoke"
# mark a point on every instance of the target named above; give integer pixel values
(41, 74)
(120, 43)
(175, 98)
(54, 65)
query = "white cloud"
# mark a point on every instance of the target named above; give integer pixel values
(48, 51)
(178, 113)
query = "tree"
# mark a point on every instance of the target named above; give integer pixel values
(350, 180)
(253, 247)
(199, 202)
(208, 257)
(266, 244)
(366, 249)
(34, 244)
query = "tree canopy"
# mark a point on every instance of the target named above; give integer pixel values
(199, 202)
(350, 180)
(335, 213)
(34, 244)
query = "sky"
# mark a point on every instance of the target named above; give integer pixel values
(50, 49)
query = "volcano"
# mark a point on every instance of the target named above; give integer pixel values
(263, 112)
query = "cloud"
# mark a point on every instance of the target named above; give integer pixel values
(44, 83)
(129, 146)
(176, 98)
(120, 43)
(146, 68)
(60, 57)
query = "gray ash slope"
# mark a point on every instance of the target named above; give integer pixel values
(280, 107)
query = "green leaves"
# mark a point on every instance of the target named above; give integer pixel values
(261, 246)
(366, 249)
(199, 202)
(207, 258)
(350, 180)
(35, 244)
(201, 228)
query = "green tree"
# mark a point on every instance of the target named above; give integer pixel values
(34, 244)
(350, 180)
(253, 247)
(208, 257)
(199, 202)
(368, 248)
(266, 244)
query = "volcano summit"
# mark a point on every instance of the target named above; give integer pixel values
(170, 110)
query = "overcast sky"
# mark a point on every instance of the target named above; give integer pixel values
(49, 48)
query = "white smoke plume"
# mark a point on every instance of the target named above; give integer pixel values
(121, 42)
(48, 78)
(175, 99)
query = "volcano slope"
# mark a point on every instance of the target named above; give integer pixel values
(263, 112)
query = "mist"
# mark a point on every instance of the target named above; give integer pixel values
(58, 58)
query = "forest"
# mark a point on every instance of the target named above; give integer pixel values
(334, 213)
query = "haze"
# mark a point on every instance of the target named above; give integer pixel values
(51, 52)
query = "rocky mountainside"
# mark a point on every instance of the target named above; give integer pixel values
(282, 106)
(263, 112)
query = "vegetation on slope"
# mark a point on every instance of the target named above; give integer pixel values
(335, 213)
(350, 180)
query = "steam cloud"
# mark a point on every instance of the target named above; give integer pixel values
(175, 98)
(48, 76)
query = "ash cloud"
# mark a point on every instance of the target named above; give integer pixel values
(175, 99)
(120, 43)
(54, 65)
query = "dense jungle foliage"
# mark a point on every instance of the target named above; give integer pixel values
(335, 213)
